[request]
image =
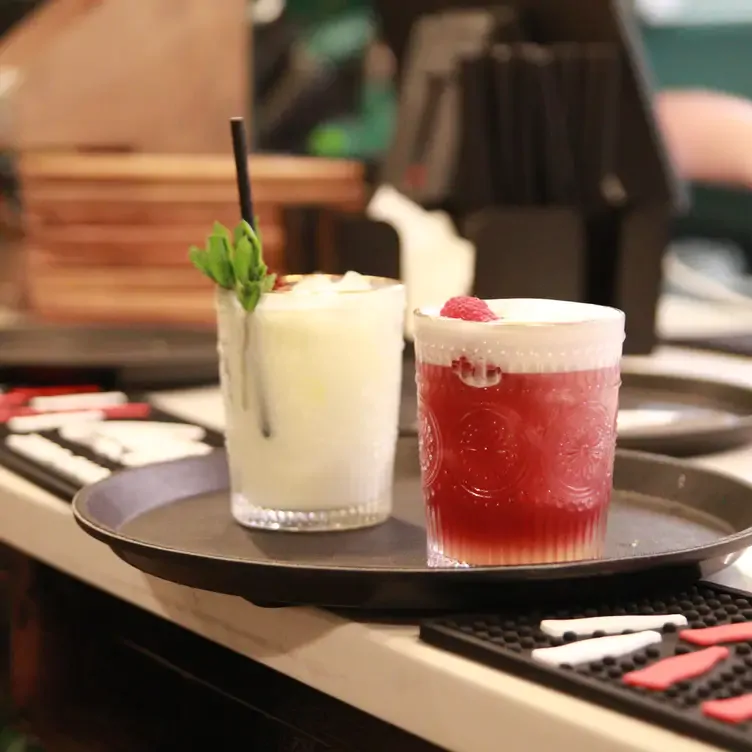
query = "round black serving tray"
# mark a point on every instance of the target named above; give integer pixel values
(173, 521)
(672, 415)
(130, 358)
(702, 416)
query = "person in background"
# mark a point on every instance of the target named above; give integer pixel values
(708, 135)
(707, 132)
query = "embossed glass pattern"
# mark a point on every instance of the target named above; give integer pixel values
(330, 367)
(517, 431)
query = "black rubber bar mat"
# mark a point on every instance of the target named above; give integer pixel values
(57, 483)
(506, 640)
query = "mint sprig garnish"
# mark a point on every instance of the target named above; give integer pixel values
(235, 261)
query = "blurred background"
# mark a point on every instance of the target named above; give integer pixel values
(116, 156)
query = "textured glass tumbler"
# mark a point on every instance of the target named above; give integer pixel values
(517, 430)
(328, 368)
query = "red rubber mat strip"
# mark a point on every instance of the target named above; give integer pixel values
(718, 635)
(663, 674)
(735, 710)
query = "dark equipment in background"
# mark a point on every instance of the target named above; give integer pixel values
(545, 150)
(296, 87)
(272, 45)
(13, 11)
(132, 358)
(531, 123)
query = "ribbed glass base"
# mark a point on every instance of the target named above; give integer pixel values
(310, 520)
(506, 558)
(450, 548)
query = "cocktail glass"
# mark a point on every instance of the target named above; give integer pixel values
(517, 429)
(318, 364)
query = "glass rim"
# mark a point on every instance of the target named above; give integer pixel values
(377, 283)
(605, 314)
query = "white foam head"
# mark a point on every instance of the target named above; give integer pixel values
(531, 336)
(329, 292)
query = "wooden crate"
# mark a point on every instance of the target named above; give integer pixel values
(107, 236)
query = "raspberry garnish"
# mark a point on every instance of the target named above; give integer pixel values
(468, 309)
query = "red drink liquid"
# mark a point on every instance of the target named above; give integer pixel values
(517, 430)
(520, 471)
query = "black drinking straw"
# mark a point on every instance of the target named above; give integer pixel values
(240, 150)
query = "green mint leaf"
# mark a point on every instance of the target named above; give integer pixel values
(200, 259)
(219, 261)
(243, 229)
(220, 245)
(242, 259)
(221, 231)
(261, 272)
(256, 255)
(268, 282)
(249, 296)
(235, 261)
(244, 232)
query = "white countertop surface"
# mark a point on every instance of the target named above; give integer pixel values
(381, 669)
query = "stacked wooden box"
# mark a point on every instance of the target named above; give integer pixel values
(108, 235)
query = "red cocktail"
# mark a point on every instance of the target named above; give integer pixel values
(517, 422)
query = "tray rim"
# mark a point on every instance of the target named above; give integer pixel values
(689, 384)
(726, 546)
(677, 440)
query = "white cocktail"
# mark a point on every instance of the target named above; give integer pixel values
(311, 383)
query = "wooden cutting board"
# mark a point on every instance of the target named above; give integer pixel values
(107, 236)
